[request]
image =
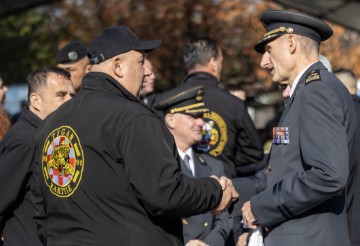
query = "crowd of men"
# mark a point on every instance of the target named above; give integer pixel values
(117, 164)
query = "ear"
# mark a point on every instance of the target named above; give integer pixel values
(35, 102)
(212, 65)
(170, 121)
(292, 43)
(117, 66)
(87, 68)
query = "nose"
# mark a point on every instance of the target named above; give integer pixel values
(5, 89)
(200, 122)
(265, 60)
(147, 70)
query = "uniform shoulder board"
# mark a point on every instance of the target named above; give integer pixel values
(313, 76)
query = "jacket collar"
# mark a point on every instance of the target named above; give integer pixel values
(30, 117)
(105, 83)
(201, 76)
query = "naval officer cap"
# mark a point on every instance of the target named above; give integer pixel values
(71, 53)
(280, 22)
(115, 41)
(189, 101)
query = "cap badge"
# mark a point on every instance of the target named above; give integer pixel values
(199, 96)
(72, 55)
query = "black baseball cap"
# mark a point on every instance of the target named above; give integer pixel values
(187, 101)
(71, 53)
(117, 40)
(280, 22)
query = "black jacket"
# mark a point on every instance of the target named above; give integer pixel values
(231, 136)
(16, 164)
(108, 173)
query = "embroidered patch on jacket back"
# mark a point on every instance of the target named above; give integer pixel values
(214, 134)
(62, 161)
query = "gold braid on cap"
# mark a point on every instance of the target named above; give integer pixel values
(192, 111)
(275, 31)
(186, 108)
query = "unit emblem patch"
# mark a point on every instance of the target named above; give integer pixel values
(62, 161)
(214, 134)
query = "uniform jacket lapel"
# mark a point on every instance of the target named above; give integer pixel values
(201, 167)
(315, 66)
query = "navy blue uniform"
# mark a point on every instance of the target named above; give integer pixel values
(213, 230)
(304, 202)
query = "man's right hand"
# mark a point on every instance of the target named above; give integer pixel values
(229, 195)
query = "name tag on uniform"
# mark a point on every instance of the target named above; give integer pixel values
(281, 135)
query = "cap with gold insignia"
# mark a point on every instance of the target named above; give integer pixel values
(70, 53)
(188, 101)
(280, 22)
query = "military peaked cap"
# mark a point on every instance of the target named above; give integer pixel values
(280, 22)
(189, 102)
(71, 53)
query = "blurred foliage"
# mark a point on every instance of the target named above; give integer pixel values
(31, 40)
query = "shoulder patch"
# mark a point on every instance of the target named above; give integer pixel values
(313, 76)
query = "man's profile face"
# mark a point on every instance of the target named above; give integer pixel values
(188, 128)
(58, 90)
(77, 71)
(149, 86)
(133, 71)
(276, 59)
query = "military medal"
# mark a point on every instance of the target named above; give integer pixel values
(281, 135)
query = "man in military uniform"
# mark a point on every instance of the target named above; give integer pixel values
(183, 113)
(304, 201)
(108, 172)
(48, 89)
(230, 134)
(72, 57)
(348, 78)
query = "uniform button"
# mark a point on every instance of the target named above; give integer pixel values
(206, 224)
(184, 221)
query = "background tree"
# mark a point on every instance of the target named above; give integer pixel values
(31, 40)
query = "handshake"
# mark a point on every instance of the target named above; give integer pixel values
(228, 197)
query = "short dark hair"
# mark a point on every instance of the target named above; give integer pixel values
(38, 79)
(199, 51)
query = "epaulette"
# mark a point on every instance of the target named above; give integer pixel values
(313, 76)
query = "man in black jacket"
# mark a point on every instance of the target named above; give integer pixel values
(48, 89)
(230, 133)
(107, 171)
